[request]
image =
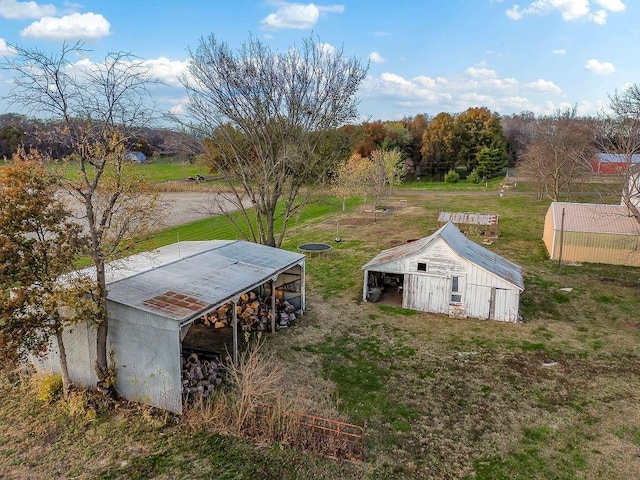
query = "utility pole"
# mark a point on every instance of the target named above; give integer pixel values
(561, 242)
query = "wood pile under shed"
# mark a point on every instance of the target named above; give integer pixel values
(254, 313)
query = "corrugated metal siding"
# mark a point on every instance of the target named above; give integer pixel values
(594, 218)
(548, 234)
(599, 248)
(148, 364)
(614, 238)
(80, 348)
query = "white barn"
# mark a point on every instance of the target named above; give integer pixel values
(447, 273)
(155, 297)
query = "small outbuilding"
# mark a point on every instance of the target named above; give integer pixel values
(592, 232)
(447, 273)
(154, 300)
(136, 157)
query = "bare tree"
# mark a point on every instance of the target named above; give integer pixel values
(264, 114)
(558, 153)
(620, 135)
(98, 109)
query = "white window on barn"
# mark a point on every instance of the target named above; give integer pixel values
(456, 294)
(422, 267)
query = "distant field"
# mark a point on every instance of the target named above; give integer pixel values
(157, 170)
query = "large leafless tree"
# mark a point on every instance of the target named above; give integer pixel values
(98, 108)
(558, 153)
(264, 115)
(620, 135)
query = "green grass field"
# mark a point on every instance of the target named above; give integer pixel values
(555, 397)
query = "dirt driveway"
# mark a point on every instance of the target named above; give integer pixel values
(185, 207)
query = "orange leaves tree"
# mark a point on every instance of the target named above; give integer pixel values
(38, 242)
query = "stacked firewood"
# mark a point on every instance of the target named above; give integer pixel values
(199, 376)
(254, 313)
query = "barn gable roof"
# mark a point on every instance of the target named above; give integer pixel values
(594, 218)
(461, 245)
(185, 279)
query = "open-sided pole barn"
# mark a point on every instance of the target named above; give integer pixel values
(447, 273)
(154, 298)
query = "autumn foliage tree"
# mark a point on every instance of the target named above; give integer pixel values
(38, 243)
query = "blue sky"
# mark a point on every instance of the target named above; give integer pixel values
(426, 56)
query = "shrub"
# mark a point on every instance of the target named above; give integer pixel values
(47, 387)
(474, 177)
(452, 176)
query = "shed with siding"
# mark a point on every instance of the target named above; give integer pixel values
(592, 232)
(155, 297)
(447, 273)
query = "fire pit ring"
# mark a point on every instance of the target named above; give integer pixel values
(314, 247)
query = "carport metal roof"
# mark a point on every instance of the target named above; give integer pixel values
(184, 280)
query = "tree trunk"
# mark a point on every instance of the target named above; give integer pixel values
(64, 369)
(101, 363)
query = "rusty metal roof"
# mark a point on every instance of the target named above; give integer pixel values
(461, 245)
(594, 218)
(469, 218)
(182, 280)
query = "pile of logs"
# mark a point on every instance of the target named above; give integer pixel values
(199, 377)
(254, 313)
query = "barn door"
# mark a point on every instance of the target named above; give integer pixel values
(504, 305)
(426, 293)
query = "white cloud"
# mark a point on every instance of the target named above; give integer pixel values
(613, 5)
(326, 48)
(600, 68)
(168, 71)
(297, 16)
(481, 72)
(569, 9)
(5, 50)
(17, 10)
(543, 86)
(77, 26)
(559, 51)
(375, 57)
(475, 86)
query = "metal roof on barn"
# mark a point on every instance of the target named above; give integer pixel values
(183, 280)
(460, 244)
(594, 218)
